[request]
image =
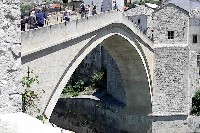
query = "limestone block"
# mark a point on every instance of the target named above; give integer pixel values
(23, 123)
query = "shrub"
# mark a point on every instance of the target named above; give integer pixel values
(96, 78)
(56, 2)
(26, 8)
(42, 117)
(196, 104)
(74, 88)
(29, 96)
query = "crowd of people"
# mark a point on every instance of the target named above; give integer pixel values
(88, 10)
(34, 20)
(37, 17)
(85, 11)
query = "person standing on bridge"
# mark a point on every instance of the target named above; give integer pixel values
(40, 18)
(94, 10)
(67, 15)
(82, 10)
(32, 20)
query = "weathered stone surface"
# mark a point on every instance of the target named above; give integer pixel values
(170, 124)
(23, 123)
(143, 10)
(194, 24)
(171, 81)
(170, 18)
(10, 57)
(195, 13)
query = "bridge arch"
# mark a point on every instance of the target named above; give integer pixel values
(131, 58)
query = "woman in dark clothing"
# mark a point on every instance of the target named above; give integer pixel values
(32, 20)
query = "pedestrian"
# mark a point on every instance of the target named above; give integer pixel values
(24, 21)
(40, 18)
(23, 24)
(94, 10)
(89, 11)
(32, 20)
(66, 15)
(82, 10)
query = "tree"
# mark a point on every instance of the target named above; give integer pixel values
(65, 1)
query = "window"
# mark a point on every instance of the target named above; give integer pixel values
(170, 34)
(194, 40)
(138, 21)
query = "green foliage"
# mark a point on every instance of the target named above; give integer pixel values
(141, 2)
(26, 8)
(129, 5)
(28, 99)
(27, 81)
(153, 1)
(75, 87)
(196, 104)
(65, 1)
(42, 117)
(56, 2)
(96, 78)
(29, 96)
(69, 4)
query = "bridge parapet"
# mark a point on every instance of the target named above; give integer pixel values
(41, 38)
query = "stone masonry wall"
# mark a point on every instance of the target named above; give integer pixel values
(170, 18)
(10, 56)
(193, 77)
(170, 93)
(115, 85)
(85, 115)
(195, 13)
(97, 60)
(89, 66)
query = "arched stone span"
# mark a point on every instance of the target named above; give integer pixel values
(132, 63)
(55, 63)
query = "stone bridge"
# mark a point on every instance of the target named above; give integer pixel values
(54, 52)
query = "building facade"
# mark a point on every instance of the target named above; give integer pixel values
(170, 25)
(142, 16)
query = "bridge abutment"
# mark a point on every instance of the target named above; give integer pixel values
(174, 87)
(171, 71)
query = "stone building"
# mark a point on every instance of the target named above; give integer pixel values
(194, 33)
(170, 25)
(142, 16)
(185, 4)
(108, 5)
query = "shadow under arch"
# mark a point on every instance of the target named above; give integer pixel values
(136, 78)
